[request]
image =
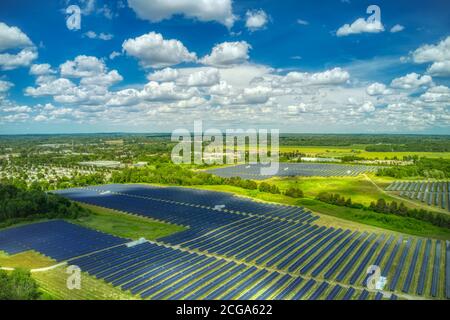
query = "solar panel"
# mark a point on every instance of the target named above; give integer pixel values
(57, 239)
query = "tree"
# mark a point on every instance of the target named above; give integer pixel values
(393, 207)
(264, 187)
(348, 203)
(402, 209)
(18, 204)
(19, 285)
(381, 206)
(274, 189)
(294, 192)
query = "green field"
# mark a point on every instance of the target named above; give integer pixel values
(53, 285)
(27, 260)
(126, 225)
(358, 188)
(361, 189)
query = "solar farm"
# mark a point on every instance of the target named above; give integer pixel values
(432, 193)
(294, 169)
(236, 248)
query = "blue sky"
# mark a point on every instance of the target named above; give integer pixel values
(159, 65)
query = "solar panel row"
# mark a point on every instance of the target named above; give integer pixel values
(201, 219)
(293, 169)
(189, 211)
(154, 271)
(433, 193)
(56, 239)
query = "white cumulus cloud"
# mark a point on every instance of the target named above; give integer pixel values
(332, 76)
(255, 95)
(12, 38)
(82, 66)
(256, 19)
(397, 28)
(296, 109)
(202, 10)
(227, 54)
(437, 54)
(50, 88)
(153, 51)
(164, 75)
(411, 81)
(5, 86)
(204, 78)
(440, 69)
(41, 69)
(437, 94)
(360, 25)
(433, 53)
(376, 89)
(22, 59)
(101, 35)
(367, 107)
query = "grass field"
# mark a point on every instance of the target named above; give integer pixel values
(360, 189)
(27, 260)
(53, 285)
(125, 225)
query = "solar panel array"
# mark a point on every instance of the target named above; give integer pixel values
(154, 271)
(251, 254)
(198, 209)
(288, 242)
(433, 193)
(319, 251)
(253, 172)
(56, 239)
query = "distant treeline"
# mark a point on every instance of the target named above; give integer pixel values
(381, 206)
(424, 167)
(426, 145)
(433, 143)
(17, 205)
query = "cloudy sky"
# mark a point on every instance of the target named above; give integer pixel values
(157, 65)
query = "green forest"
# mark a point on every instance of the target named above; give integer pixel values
(18, 205)
(423, 167)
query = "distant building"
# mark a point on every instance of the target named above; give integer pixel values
(140, 164)
(102, 163)
(114, 142)
(308, 159)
